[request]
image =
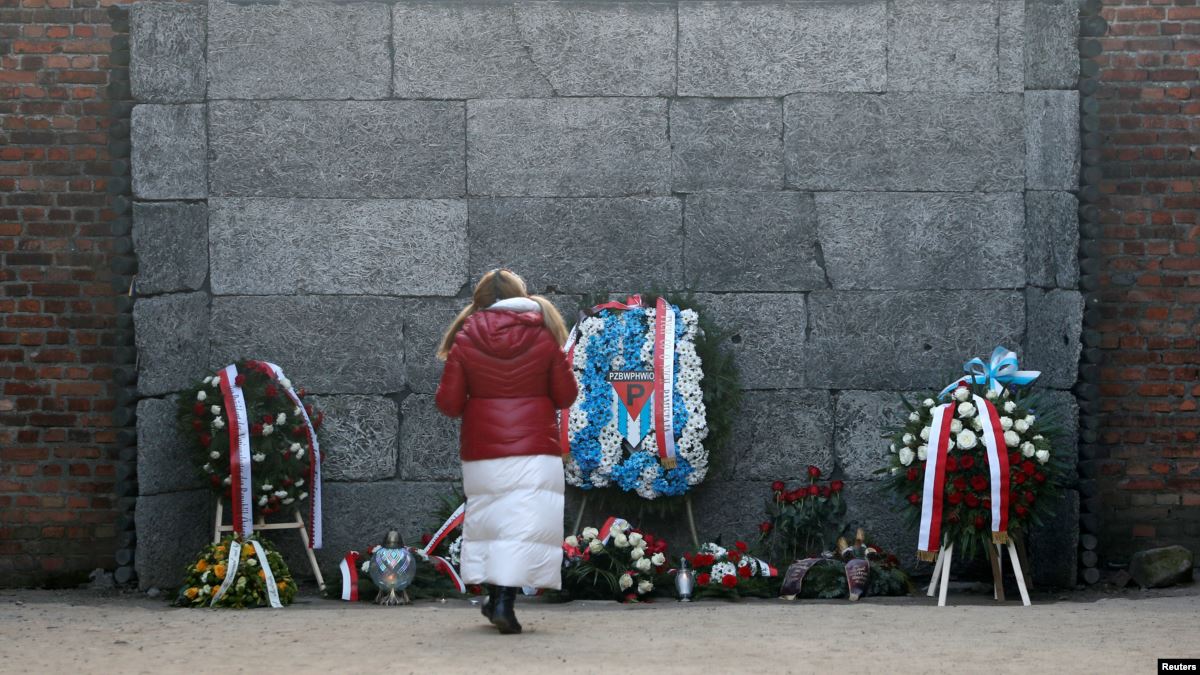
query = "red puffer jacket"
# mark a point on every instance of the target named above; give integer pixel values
(506, 376)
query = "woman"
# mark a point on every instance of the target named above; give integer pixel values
(506, 375)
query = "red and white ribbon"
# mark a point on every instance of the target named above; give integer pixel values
(664, 382)
(997, 453)
(444, 566)
(314, 464)
(929, 539)
(452, 523)
(239, 451)
(349, 568)
(606, 531)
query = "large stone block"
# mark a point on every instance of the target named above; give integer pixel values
(425, 320)
(171, 242)
(901, 340)
(777, 434)
(171, 529)
(580, 245)
(766, 335)
(335, 246)
(1011, 64)
(568, 147)
(860, 419)
(171, 334)
(895, 240)
(1052, 239)
(164, 461)
(327, 344)
(298, 49)
(773, 49)
(873, 507)
(752, 241)
(1054, 545)
(428, 442)
(1052, 339)
(1051, 44)
(1052, 140)
(601, 49)
(904, 141)
(725, 510)
(337, 148)
(726, 144)
(358, 437)
(168, 156)
(942, 45)
(463, 50)
(166, 52)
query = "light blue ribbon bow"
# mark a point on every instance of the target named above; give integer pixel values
(1000, 370)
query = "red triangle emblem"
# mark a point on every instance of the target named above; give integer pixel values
(633, 388)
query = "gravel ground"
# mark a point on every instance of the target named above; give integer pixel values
(90, 632)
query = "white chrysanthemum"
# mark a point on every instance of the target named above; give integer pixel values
(965, 410)
(1006, 423)
(1011, 439)
(200, 395)
(906, 456)
(722, 569)
(966, 439)
(1009, 406)
(258, 457)
(962, 394)
(922, 452)
(1043, 456)
(1027, 449)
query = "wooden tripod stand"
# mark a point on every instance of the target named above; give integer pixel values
(219, 527)
(941, 572)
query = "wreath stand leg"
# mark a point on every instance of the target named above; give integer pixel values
(1023, 556)
(994, 552)
(945, 585)
(687, 503)
(579, 516)
(298, 524)
(937, 571)
(1016, 563)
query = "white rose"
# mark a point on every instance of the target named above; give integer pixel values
(258, 457)
(965, 410)
(962, 394)
(227, 481)
(1021, 426)
(906, 456)
(296, 411)
(1009, 406)
(908, 439)
(645, 587)
(1006, 423)
(658, 559)
(626, 581)
(1030, 419)
(925, 434)
(637, 553)
(977, 424)
(1039, 437)
(200, 395)
(1043, 456)
(214, 454)
(595, 546)
(991, 395)
(590, 533)
(636, 538)
(928, 403)
(913, 417)
(955, 426)
(620, 540)
(643, 564)
(216, 409)
(208, 468)
(267, 487)
(218, 423)
(1011, 439)
(280, 419)
(966, 439)
(1027, 449)
(572, 541)
(268, 429)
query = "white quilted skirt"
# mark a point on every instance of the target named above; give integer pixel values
(513, 532)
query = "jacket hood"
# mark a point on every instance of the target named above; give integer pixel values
(505, 329)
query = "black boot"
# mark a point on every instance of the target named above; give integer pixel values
(489, 607)
(503, 616)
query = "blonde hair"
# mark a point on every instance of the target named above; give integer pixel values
(501, 284)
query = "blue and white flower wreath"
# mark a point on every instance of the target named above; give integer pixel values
(624, 340)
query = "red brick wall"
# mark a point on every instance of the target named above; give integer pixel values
(58, 324)
(1149, 96)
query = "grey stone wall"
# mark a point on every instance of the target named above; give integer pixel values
(869, 192)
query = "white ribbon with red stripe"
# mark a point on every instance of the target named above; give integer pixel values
(997, 452)
(452, 523)
(349, 568)
(664, 382)
(613, 522)
(314, 464)
(239, 451)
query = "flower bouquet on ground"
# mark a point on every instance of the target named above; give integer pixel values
(804, 520)
(732, 572)
(977, 461)
(616, 561)
(256, 577)
(863, 568)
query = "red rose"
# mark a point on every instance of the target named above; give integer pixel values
(914, 499)
(197, 425)
(205, 439)
(688, 557)
(1039, 477)
(791, 496)
(1030, 497)
(960, 483)
(703, 578)
(741, 546)
(198, 409)
(951, 464)
(267, 419)
(813, 472)
(1021, 511)
(729, 581)
(239, 380)
(987, 503)
(1014, 458)
(256, 429)
(703, 560)
(1029, 468)
(837, 486)
(765, 527)
(298, 431)
(1019, 478)
(744, 571)
(825, 492)
(972, 500)
(813, 490)
(912, 473)
(980, 523)
(966, 462)
(979, 483)
(271, 391)
(287, 482)
(777, 486)
(955, 498)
